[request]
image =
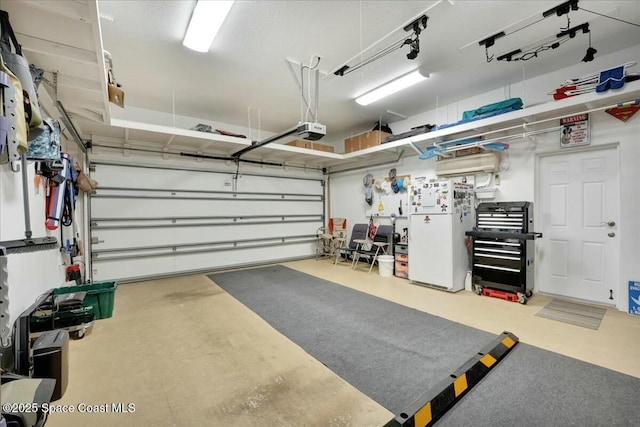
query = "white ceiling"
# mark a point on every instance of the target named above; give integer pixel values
(246, 68)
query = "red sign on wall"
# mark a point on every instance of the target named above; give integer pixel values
(624, 112)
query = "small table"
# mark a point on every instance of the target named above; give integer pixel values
(360, 243)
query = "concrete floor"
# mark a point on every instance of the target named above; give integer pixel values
(185, 353)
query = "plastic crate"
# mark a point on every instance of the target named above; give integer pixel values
(99, 299)
(64, 319)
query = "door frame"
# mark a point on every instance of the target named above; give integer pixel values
(537, 214)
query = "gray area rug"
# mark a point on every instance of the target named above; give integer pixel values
(532, 387)
(573, 313)
(390, 352)
(394, 354)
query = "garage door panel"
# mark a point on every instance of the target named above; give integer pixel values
(139, 268)
(143, 177)
(251, 183)
(113, 239)
(146, 208)
(148, 177)
(148, 221)
(244, 256)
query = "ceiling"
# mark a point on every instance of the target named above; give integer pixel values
(246, 66)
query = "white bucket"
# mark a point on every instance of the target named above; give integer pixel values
(468, 286)
(385, 265)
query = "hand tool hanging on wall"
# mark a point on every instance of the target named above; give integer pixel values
(57, 189)
(29, 243)
(69, 192)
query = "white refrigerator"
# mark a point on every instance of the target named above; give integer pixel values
(440, 211)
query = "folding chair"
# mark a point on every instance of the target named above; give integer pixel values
(358, 232)
(324, 242)
(338, 227)
(373, 248)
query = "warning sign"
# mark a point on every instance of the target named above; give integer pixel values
(634, 298)
(574, 131)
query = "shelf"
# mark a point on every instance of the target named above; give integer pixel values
(64, 36)
(124, 134)
(526, 119)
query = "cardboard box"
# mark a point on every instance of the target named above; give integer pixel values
(321, 147)
(116, 95)
(311, 145)
(365, 140)
(464, 152)
(351, 144)
(468, 151)
(300, 143)
(372, 139)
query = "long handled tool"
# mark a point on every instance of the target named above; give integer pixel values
(29, 243)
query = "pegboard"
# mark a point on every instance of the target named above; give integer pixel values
(387, 202)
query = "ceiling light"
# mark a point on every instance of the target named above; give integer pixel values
(392, 87)
(206, 20)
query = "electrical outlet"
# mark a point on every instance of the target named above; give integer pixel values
(497, 179)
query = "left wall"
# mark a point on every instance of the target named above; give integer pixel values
(29, 274)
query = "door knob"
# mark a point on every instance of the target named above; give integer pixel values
(610, 223)
(612, 234)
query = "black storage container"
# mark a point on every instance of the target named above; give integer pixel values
(51, 359)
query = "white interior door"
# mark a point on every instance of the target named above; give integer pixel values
(579, 209)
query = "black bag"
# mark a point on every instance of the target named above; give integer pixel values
(384, 127)
(418, 130)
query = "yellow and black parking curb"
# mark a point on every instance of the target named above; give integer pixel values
(437, 401)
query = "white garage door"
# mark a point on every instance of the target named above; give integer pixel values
(148, 221)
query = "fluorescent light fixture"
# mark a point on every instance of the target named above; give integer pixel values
(207, 18)
(391, 87)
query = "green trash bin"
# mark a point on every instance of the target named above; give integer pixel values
(99, 299)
